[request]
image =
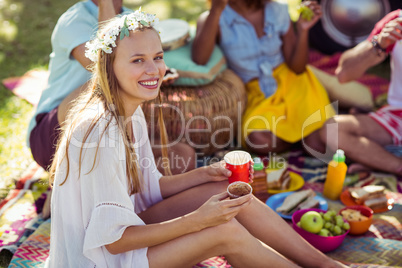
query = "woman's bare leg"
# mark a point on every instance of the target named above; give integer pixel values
(360, 136)
(260, 220)
(231, 240)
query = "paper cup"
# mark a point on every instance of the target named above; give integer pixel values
(238, 162)
(239, 188)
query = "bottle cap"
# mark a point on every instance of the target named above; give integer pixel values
(339, 156)
(258, 165)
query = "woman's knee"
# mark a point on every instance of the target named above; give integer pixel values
(333, 126)
(232, 235)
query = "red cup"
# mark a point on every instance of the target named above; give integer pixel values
(238, 162)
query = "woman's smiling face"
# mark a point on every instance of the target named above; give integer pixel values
(139, 67)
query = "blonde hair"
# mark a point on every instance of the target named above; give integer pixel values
(104, 89)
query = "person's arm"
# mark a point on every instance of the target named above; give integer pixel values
(106, 12)
(296, 45)
(207, 32)
(217, 210)
(356, 61)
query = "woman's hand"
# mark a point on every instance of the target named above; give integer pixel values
(391, 33)
(305, 24)
(219, 209)
(218, 172)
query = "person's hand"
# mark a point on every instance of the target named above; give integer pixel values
(391, 33)
(218, 172)
(219, 209)
(305, 24)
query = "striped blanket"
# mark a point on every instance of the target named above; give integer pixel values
(27, 236)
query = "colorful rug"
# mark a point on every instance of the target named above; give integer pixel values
(20, 211)
(27, 235)
(35, 249)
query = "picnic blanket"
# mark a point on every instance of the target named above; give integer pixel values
(20, 210)
(27, 235)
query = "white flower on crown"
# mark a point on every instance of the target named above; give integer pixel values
(120, 28)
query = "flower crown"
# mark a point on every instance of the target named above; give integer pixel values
(121, 27)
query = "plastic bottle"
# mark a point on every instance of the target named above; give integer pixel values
(335, 176)
(258, 167)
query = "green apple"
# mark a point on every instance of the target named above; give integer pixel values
(311, 221)
(306, 13)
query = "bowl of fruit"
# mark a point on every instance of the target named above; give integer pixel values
(359, 218)
(323, 229)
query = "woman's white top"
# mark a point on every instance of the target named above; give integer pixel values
(92, 210)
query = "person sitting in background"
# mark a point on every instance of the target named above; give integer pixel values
(363, 137)
(121, 211)
(68, 76)
(262, 47)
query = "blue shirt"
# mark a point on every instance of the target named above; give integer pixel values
(248, 55)
(75, 27)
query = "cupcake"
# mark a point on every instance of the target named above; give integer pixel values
(239, 188)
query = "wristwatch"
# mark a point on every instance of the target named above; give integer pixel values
(374, 41)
